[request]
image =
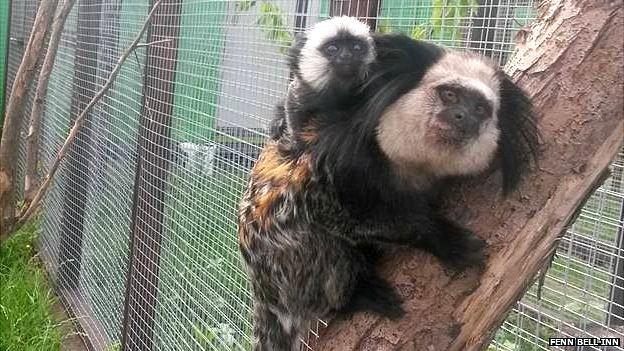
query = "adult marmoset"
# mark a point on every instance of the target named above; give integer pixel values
(367, 175)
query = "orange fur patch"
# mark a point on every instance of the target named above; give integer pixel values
(263, 205)
(273, 169)
(273, 177)
(300, 172)
(309, 134)
(271, 166)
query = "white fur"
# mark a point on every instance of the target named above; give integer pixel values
(469, 70)
(403, 130)
(313, 65)
(327, 29)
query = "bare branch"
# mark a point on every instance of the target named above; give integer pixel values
(32, 138)
(12, 122)
(30, 210)
(155, 42)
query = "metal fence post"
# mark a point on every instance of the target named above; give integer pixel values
(363, 9)
(615, 317)
(484, 24)
(5, 29)
(154, 151)
(80, 155)
(301, 15)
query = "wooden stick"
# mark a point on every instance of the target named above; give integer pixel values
(34, 127)
(155, 43)
(30, 210)
(9, 145)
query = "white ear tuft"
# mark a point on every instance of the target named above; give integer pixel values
(327, 29)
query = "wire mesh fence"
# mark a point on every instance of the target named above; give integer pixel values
(138, 230)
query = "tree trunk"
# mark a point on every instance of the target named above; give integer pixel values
(9, 145)
(28, 211)
(571, 63)
(34, 126)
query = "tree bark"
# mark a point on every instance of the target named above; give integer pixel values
(34, 127)
(28, 211)
(9, 145)
(570, 62)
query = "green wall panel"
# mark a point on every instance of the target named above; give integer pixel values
(403, 15)
(4, 37)
(197, 76)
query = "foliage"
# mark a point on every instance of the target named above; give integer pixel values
(116, 346)
(419, 33)
(272, 20)
(447, 15)
(444, 22)
(576, 290)
(274, 24)
(246, 5)
(26, 300)
(215, 276)
(221, 337)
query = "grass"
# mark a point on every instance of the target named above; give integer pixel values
(200, 262)
(26, 300)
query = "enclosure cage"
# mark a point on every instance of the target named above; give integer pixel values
(138, 231)
(4, 37)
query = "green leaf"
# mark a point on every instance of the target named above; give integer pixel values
(243, 6)
(419, 33)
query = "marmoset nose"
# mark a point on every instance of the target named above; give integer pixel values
(460, 118)
(344, 56)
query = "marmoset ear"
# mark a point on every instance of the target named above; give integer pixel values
(519, 137)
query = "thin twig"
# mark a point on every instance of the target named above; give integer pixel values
(30, 210)
(155, 42)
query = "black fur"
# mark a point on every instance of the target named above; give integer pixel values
(304, 101)
(363, 176)
(278, 125)
(518, 144)
(400, 65)
(315, 253)
(337, 94)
